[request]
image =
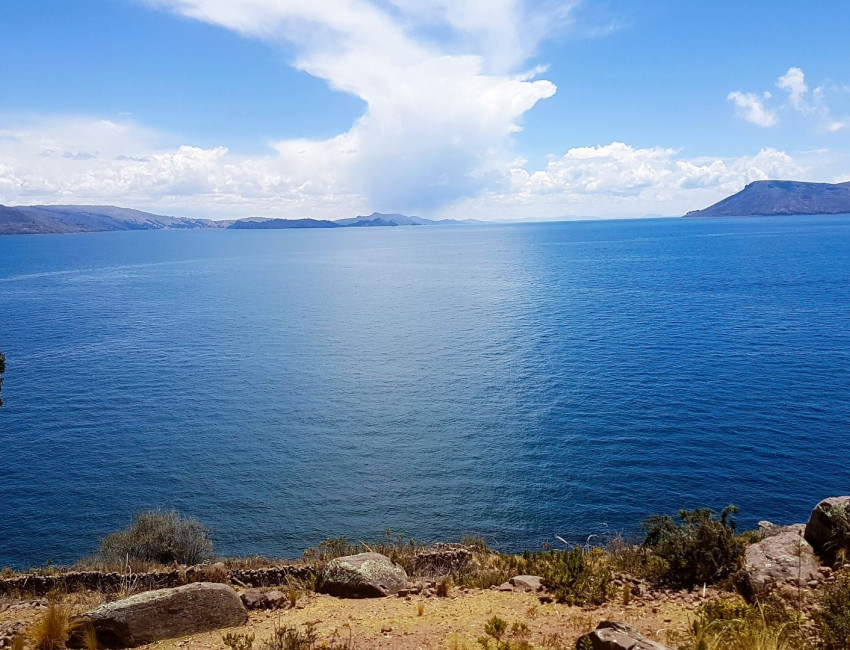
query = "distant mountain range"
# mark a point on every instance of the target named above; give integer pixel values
(766, 198)
(44, 219)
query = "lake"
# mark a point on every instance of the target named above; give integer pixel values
(515, 381)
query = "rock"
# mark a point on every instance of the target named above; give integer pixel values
(829, 527)
(254, 599)
(782, 559)
(366, 575)
(609, 635)
(506, 586)
(526, 583)
(277, 599)
(166, 613)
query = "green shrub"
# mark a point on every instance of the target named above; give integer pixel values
(291, 638)
(832, 618)
(495, 630)
(735, 625)
(699, 549)
(575, 577)
(838, 546)
(158, 536)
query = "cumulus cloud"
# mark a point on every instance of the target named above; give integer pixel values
(440, 111)
(794, 83)
(750, 107)
(763, 110)
(101, 161)
(618, 179)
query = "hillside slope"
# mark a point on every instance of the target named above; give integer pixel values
(765, 198)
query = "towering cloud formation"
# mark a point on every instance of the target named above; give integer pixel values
(442, 80)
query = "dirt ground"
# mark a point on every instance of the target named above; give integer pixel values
(395, 622)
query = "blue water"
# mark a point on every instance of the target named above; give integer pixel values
(516, 381)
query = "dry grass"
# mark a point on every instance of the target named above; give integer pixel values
(51, 630)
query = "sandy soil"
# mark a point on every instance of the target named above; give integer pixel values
(396, 623)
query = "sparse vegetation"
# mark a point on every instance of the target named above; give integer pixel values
(238, 641)
(51, 630)
(698, 549)
(734, 625)
(158, 536)
(575, 577)
(832, 618)
(291, 638)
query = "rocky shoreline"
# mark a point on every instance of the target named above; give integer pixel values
(785, 564)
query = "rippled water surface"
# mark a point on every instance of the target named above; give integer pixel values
(515, 381)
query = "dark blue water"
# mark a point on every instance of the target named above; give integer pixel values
(515, 381)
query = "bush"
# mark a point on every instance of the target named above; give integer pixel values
(51, 631)
(735, 625)
(575, 577)
(291, 638)
(699, 549)
(158, 536)
(832, 619)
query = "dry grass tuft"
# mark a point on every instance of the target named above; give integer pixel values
(51, 631)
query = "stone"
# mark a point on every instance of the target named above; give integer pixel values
(526, 583)
(277, 599)
(506, 586)
(782, 559)
(829, 527)
(365, 575)
(166, 613)
(254, 599)
(610, 635)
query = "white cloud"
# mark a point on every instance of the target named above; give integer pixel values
(440, 112)
(794, 83)
(620, 180)
(750, 107)
(812, 106)
(124, 164)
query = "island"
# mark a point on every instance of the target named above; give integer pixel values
(56, 219)
(774, 198)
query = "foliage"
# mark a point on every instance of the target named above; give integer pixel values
(735, 625)
(495, 631)
(636, 560)
(238, 641)
(444, 587)
(90, 640)
(291, 638)
(395, 546)
(575, 577)
(51, 630)
(832, 618)
(159, 536)
(698, 549)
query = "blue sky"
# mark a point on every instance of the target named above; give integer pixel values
(496, 109)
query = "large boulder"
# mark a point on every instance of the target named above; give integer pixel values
(526, 583)
(609, 635)
(365, 575)
(781, 559)
(828, 530)
(166, 613)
